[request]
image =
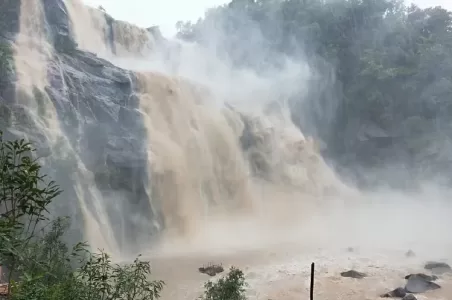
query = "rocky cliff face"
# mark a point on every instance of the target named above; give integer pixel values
(97, 111)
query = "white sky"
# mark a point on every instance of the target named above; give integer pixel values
(165, 13)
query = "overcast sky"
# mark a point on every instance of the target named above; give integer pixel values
(165, 13)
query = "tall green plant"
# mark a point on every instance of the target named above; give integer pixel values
(41, 266)
(24, 196)
(107, 281)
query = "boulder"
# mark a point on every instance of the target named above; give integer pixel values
(423, 276)
(211, 270)
(353, 274)
(419, 283)
(409, 297)
(399, 292)
(438, 267)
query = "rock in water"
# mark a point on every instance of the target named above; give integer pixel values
(353, 274)
(438, 267)
(424, 276)
(410, 253)
(409, 297)
(419, 284)
(397, 293)
(211, 270)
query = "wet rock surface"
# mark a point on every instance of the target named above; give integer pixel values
(419, 283)
(353, 274)
(423, 276)
(409, 297)
(399, 292)
(438, 267)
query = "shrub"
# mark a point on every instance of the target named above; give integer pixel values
(230, 287)
(40, 265)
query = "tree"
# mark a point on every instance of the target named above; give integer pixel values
(382, 65)
(24, 197)
(41, 266)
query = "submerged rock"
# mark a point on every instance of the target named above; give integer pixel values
(399, 292)
(418, 283)
(353, 274)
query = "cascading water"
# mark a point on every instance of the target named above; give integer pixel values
(195, 158)
(198, 165)
(90, 28)
(97, 32)
(185, 147)
(33, 55)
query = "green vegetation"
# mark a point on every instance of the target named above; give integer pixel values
(384, 84)
(230, 287)
(41, 266)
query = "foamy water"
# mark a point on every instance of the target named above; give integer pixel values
(283, 272)
(277, 261)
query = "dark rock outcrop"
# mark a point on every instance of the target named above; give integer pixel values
(438, 267)
(9, 18)
(60, 33)
(419, 283)
(9, 27)
(353, 274)
(409, 297)
(98, 114)
(211, 270)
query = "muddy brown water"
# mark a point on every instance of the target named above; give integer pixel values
(283, 273)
